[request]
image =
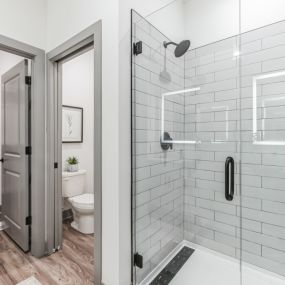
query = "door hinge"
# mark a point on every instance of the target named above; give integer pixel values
(28, 80)
(28, 220)
(28, 150)
(55, 165)
(138, 260)
(137, 48)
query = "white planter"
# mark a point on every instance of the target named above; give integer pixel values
(72, 167)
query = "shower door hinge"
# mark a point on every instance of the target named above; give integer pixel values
(137, 48)
(138, 260)
(55, 165)
(28, 150)
(28, 80)
(28, 220)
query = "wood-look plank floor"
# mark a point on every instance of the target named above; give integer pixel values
(72, 265)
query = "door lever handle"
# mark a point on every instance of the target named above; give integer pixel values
(229, 178)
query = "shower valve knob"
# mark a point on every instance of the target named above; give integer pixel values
(165, 141)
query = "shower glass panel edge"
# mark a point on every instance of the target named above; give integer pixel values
(262, 74)
(157, 222)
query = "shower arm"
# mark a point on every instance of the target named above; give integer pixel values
(166, 44)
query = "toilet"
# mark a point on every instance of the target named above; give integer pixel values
(82, 204)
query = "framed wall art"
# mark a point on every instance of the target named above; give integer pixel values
(72, 124)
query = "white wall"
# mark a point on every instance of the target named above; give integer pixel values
(170, 20)
(67, 18)
(78, 91)
(258, 13)
(208, 21)
(24, 21)
(7, 61)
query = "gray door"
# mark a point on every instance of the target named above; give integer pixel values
(15, 139)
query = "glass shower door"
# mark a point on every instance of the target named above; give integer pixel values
(157, 188)
(185, 157)
(263, 154)
(212, 198)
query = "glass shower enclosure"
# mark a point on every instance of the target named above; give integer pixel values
(208, 158)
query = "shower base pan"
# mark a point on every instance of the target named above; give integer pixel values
(204, 267)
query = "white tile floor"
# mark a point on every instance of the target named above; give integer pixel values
(206, 267)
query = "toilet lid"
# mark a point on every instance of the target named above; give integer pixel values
(83, 201)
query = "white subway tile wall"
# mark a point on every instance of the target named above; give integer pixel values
(211, 118)
(227, 77)
(179, 194)
(158, 175)
(265, 148)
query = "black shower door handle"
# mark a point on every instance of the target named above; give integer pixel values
(229, 178)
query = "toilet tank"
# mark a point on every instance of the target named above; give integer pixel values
(73, 183)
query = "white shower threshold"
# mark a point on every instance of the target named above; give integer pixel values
(206, 267)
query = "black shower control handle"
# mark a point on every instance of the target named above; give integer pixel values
(165, 141)
(229, 178)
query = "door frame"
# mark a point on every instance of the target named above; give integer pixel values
(37, 56)
(91, 36)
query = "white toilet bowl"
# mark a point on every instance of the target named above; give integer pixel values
(82, 204)
(83, 213)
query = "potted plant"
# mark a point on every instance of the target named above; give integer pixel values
(72, 164)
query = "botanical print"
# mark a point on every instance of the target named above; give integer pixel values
(69, 122)
(72, 124)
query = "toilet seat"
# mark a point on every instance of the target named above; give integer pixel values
(84, 201)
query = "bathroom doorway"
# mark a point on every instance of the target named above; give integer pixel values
(74, 150)
(76, 75)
